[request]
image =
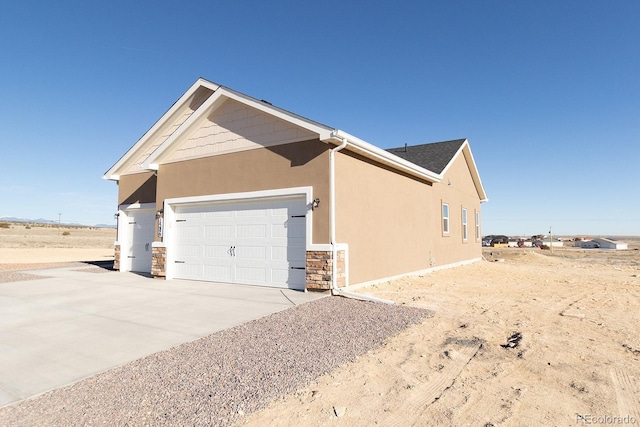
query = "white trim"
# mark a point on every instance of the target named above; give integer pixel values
(414, 273)
(383, 156)
(171, 204)
(221, 93)
(465, 148)
(214, 102)
(454, 157)
(464, 217)
(136, 206)
(448, 218)
(110, 174)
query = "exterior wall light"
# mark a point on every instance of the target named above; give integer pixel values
(159, 213)
(315, 203)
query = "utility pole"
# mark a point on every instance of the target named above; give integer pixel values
(550, 239)
(59, 215)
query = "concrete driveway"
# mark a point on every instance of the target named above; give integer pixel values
(77, 322)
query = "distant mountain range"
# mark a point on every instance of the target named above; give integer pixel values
(50, 221)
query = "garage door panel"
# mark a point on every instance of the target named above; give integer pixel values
(189, 271)
(296, 258)
(251, 252)
(216, 251)
(217, 214)
(279, 253)
(281, 275)
(266, 241)
(218, 231)
(251, 275)
(251, 231)
(217, 273)
(251, 213)
(188, 231)
(188, 251)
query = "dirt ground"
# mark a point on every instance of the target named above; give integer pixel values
(524, 338)
(527, 337)
(26, 244)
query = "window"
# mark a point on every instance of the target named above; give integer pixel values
(477, 225)
(445, 218)
(464, 224)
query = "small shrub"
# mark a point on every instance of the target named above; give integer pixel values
(544, 247)
(27, 227)
(66, 233)
(5, 225)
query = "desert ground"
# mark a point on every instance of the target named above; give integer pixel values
(525, 337)
(35, 243)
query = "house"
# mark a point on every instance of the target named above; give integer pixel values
(586, 244)
(228, 188)
(604, 243)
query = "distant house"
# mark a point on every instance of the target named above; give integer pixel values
(556, 243)
(610, 243)
(229, 188)
(586, 244)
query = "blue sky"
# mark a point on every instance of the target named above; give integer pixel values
(547, 92)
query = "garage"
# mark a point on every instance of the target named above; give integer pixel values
(253, 242)
(137, 234)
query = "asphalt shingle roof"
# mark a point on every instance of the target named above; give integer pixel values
(434, 156)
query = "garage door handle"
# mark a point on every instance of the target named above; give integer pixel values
(298, 216)
(298, 268)
(179, 262)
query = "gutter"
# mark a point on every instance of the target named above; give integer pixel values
(335, 289)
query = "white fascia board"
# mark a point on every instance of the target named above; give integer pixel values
(383, 156)
(465, 148)
(111, 173)
(280, 113)
(474, 173)
(212, 103)
(455, 156)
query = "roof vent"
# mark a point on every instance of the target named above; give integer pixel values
(405, 147)
(265, 101)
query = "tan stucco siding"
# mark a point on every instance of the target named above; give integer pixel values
(384, 217)
(461, 193)
(137, 188)
(283, 166)
(393, 223)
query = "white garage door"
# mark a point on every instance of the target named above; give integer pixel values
(140, 229)
(259, 242)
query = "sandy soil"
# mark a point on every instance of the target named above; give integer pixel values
(532, 339)
(38, 244)
(527, 337)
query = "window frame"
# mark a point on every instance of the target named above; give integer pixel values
(478, 236)
(446, 223)
(465, 222)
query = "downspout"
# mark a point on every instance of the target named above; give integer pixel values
(335, 289)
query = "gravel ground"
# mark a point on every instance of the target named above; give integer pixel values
(217, 379)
